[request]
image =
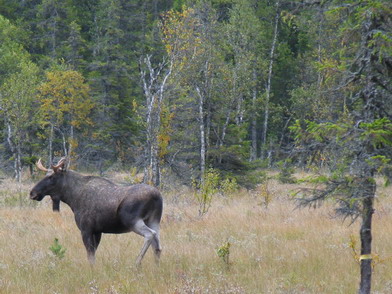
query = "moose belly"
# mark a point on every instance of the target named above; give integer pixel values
(102, 223)
(112, 227)
(117, 229)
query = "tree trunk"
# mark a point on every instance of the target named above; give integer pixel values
(15, 149)
(148, 147)
(282, 136)
(154, 126)
(221, 138)
(149, 139)
(369, 190)
(202, 137)
(153, 91)
(70, 147)
(51, 134)
(253, 147)
(18, 163)
(65, 149)
(155, 168)
(268, 88)
(147, 157)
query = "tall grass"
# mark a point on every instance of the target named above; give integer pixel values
(274, 249)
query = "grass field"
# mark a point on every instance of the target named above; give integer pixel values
(274, 249)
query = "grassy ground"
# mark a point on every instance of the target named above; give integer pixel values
(278, 249)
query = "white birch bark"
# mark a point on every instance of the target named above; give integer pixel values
(268, 88)
(51, 134)
(253, 147)
(202, 136)
(70, 147)
(15, 149)
(153, 89)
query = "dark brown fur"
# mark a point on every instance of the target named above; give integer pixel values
(100, 206)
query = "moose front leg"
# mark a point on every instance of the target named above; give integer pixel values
(91, 242)
(55, 203)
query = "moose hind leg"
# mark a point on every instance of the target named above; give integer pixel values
(91, 242)
(149, 235)
(156, 240)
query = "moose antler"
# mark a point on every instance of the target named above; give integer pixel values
(40, 166)
(60, 164)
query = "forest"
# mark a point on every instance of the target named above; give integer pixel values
(207, 94)
(182, 87)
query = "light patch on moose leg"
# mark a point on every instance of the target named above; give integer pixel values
(148, 234)
(156, 241)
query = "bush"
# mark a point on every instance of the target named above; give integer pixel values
(207, 189)
(286, 173)
(229, 186)
(224, 252)
(57, 249)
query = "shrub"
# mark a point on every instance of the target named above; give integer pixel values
(229, 186)
(207, 189)
(57, 249)
(286, 173)
(224, 252)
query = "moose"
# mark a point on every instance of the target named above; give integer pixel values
(100, 206)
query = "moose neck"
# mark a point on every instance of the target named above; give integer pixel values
(72, 182)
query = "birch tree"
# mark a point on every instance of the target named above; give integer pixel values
(154, 81)
(269, 78)
(18, 78)
(65, 105)
(183, 38)
(17, 97)
(244, 34)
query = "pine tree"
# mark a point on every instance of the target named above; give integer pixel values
(359, 138)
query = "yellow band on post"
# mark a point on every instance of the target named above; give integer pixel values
(365, 256)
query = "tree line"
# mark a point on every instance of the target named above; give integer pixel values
(181, 85)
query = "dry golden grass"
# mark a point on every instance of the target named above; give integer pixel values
(278, 249)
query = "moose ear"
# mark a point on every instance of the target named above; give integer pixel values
(60, 166)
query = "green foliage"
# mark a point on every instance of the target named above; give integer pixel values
(65, 104)
(265, 194)
(29, 160)
(355, 253)
(57, 249)
(64, 98)
(314, 179)
(224, 252)
(378, 132)
(387, 172)
(223, 48)
(285, 175)
(206, 190)
(231, 164)
(12, 53)
(165, 132)
(178, 5)
(17, 96)
(251, 178)
(229, 185)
